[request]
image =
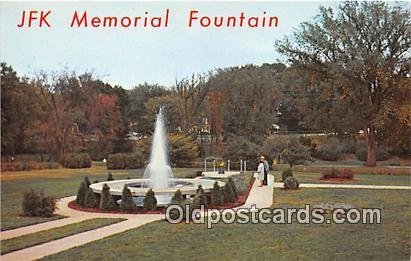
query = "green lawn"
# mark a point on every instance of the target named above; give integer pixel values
(363, 179)
(160, 240)
(41, 237)
(55, 182)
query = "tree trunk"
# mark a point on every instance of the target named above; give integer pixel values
(369, 133)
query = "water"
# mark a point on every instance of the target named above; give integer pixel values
(158, 171)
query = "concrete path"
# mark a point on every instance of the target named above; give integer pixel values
(65, 243)
(261, 197)
(349, 186)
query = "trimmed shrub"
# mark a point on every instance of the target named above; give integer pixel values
(81, 193)
(177, 197)
(90, 199)
(116, 161)
(286, 173)
(127, 202)
(76, 160)
(36, 204)
(329, 152)
(87, 181)
(337, 174)
(216, 195)
(125, 161)
(150, 201)
(230, 182)
(106, 200)
(291, 183)
(110, 176)
(199, 199)
(228, 194)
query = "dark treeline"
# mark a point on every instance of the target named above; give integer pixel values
(340, 83)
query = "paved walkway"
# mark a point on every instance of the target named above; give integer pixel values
(349, 186)
(259, 196)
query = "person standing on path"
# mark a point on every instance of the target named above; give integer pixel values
(266, 170)
(260, 170)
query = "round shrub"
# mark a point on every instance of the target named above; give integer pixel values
(286, 173)
(125, 161)
(177, 197)
(330, 152)
(36, 204)
(127, 202)
(116, 161)
(77, 160)
(90, 199)
(150, 201)
(291, 183)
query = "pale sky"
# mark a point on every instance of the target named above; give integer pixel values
(131, 56)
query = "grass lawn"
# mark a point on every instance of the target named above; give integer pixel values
(160, 240)
(54, 182)
(41, 237)
(359, 179)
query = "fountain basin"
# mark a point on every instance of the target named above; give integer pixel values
(138, 188)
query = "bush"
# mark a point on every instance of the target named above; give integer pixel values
(216, 195)
(77, 160)
(380, 154)
(116, 161)
(242, 182)
(81, 193)
(125, 161)
(36, 204)
(177, 197)
(106, 200)
(230, 182)
(87, 181)
(337, 173)
(127, 202)
(228, 194)
(26, 166)
(90, 199)
(110, 176)
(330, 152)
(150, 201)
(291, 183)
(199, 198)
(286, 173)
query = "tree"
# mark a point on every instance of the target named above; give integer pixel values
(200, 198)
(360, 54)
(183, 150)
(20, 112)
(287, 148)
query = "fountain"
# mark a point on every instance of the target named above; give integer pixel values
(158, 174)
(158, 171)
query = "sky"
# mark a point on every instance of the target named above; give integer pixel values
(131, 56)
